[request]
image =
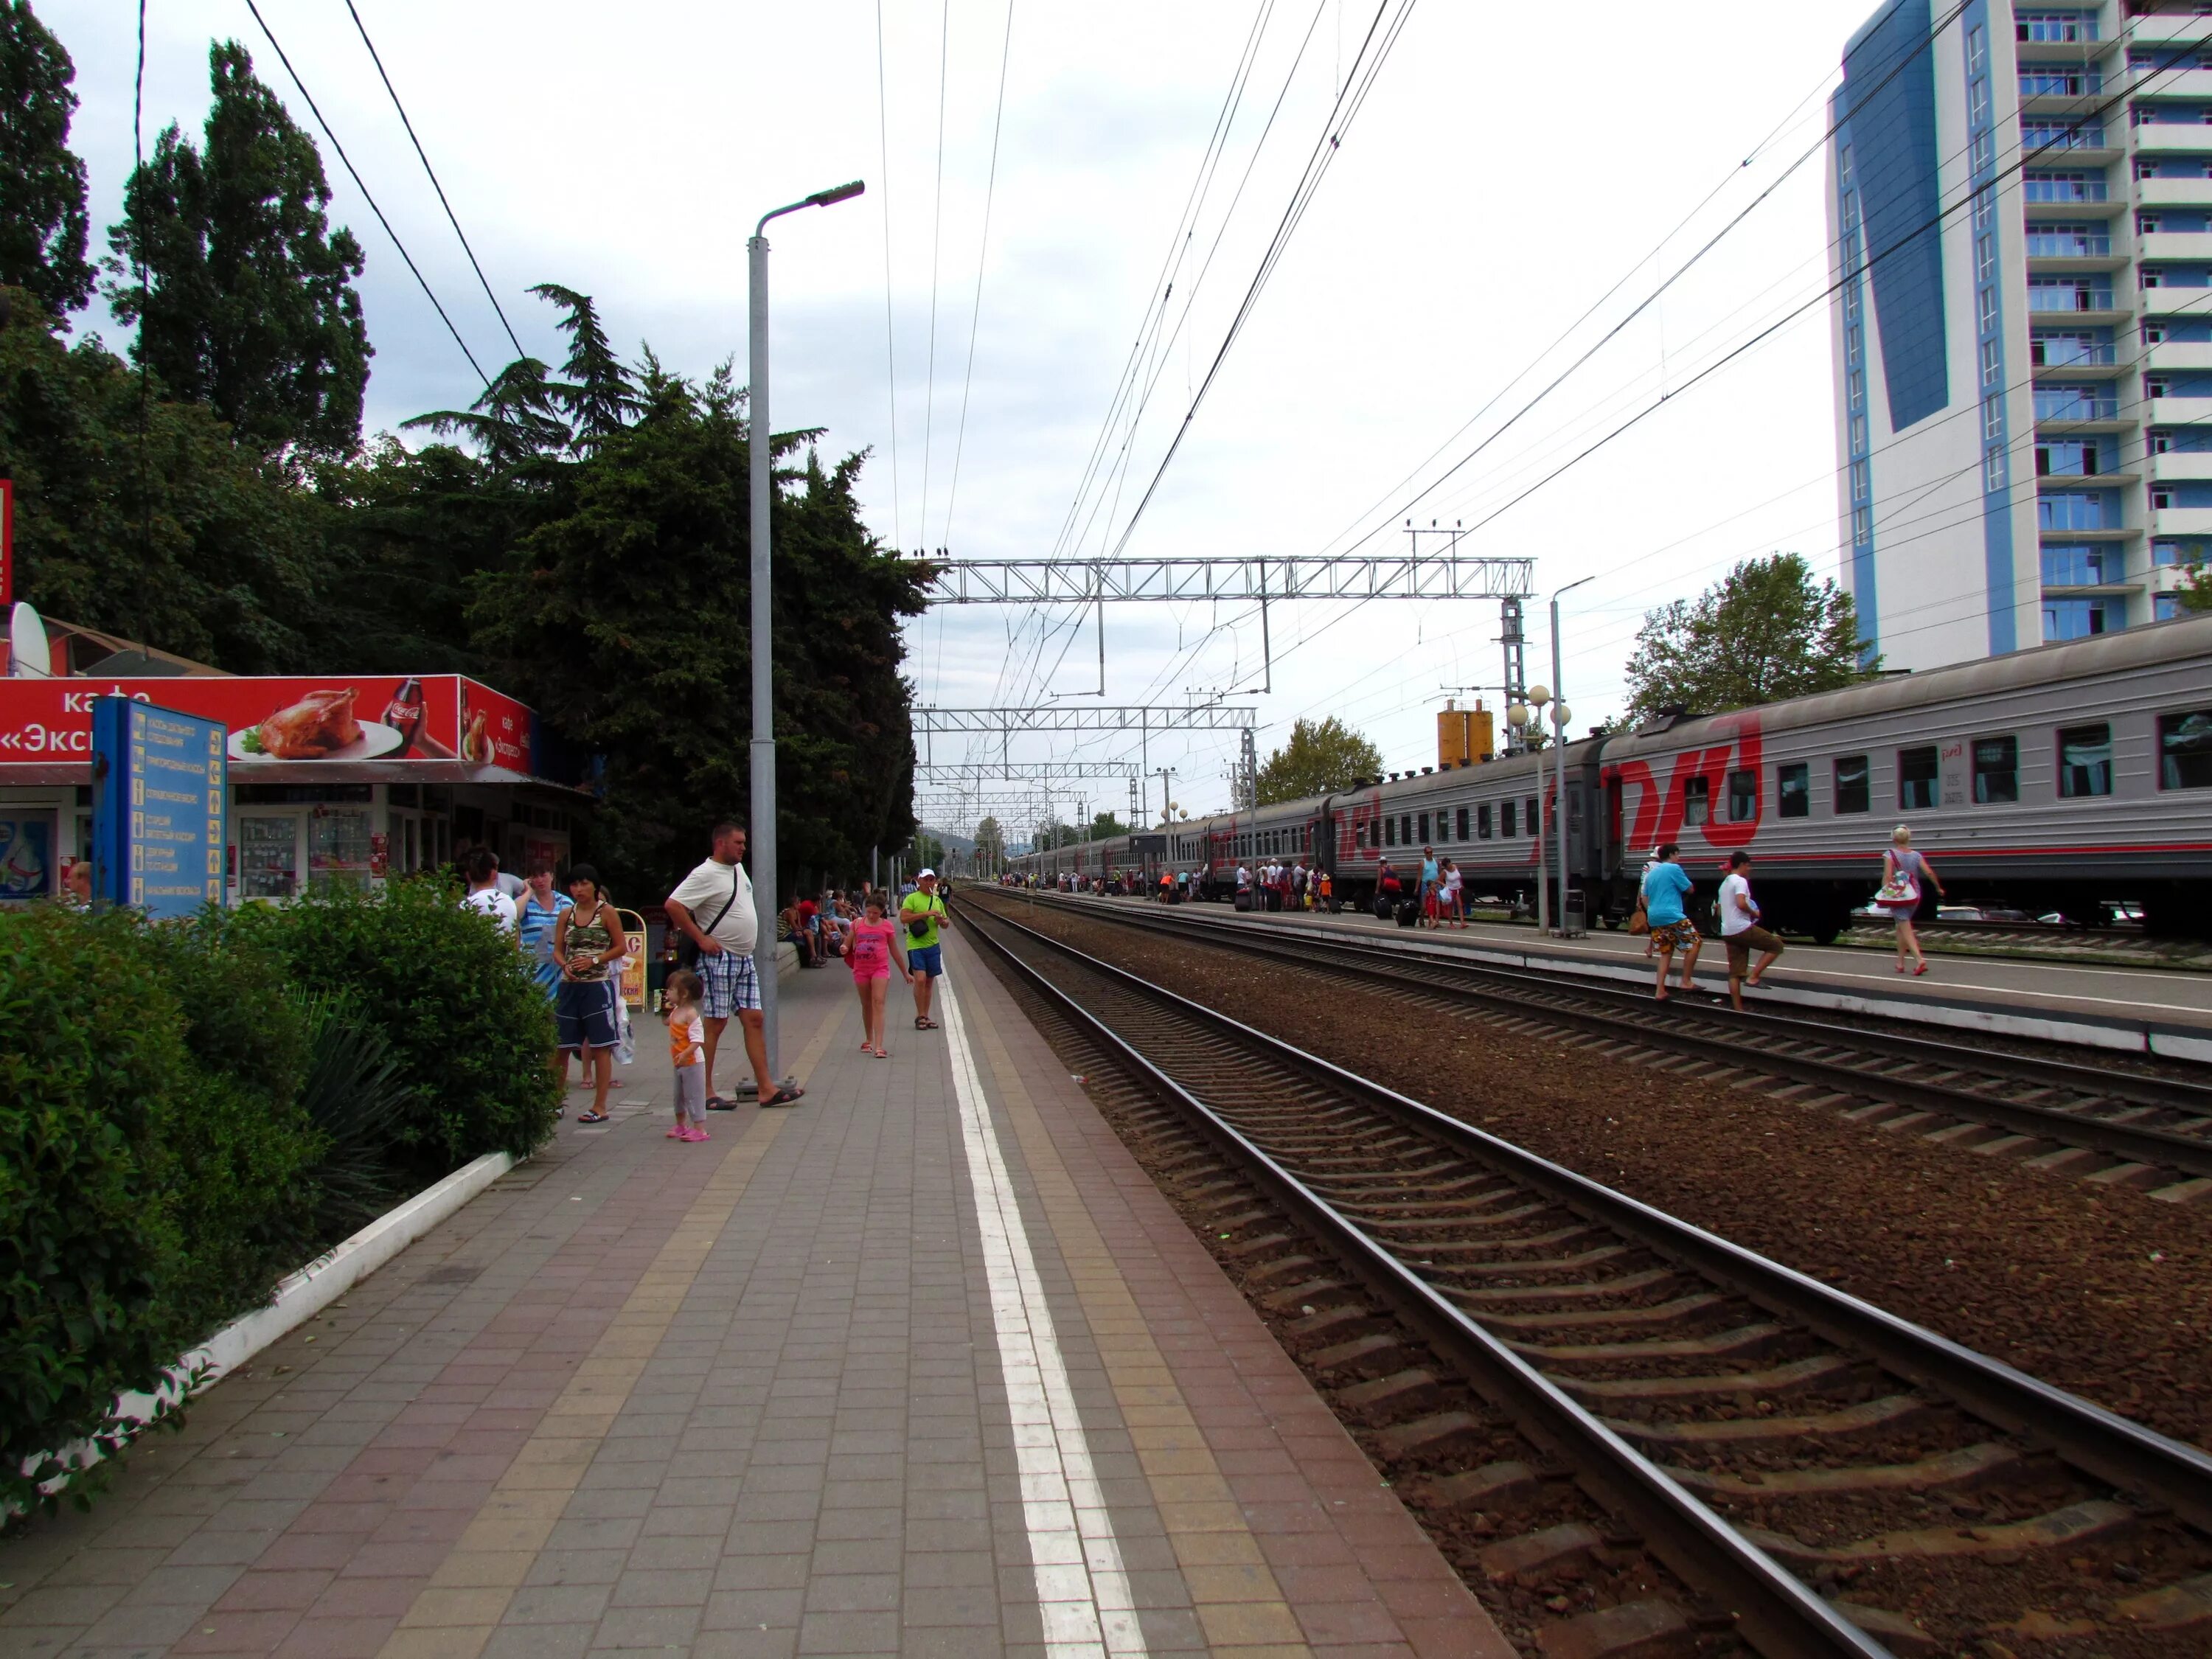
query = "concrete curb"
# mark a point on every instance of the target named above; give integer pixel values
(299, 1298)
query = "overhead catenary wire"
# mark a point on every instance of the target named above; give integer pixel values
(451, 217)
(354, 172)
(982, 260)
(936, 242)
(891, 334)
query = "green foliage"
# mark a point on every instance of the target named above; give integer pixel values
(248, 304)
(152, 1159)
(2195, 593)
(990, 846)
(469, 1027)
(42, 212)
(357, 1100)
(1104, 826)
(1320, 758)
(625, 618)
(182, 539)
(601, 397)
(1765, 632)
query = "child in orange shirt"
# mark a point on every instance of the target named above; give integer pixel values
(687, 1052)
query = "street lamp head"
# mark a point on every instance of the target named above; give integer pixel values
(1517, 716)
(841, 193)
(1538, 697)
(1559, 715)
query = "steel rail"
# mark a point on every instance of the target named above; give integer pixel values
(2190, 1155)
(2127, 1454)
(1781, 1615)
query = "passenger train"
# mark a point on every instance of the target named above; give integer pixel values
(2059, 778)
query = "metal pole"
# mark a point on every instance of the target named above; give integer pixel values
(1560, 743)
(763, 744)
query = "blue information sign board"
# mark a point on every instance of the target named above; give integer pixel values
(159, 789)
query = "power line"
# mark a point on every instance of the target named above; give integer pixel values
(982, 256)
(434, 185)
(1325, 149)
(936, 242)
(356, 175)
(890, 338)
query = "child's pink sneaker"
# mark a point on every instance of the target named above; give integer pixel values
(676, 1134)
(696, 1134)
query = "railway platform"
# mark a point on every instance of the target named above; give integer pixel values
(923, 1365)
(2145, 1009)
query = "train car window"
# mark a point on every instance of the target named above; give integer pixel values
(1918, 779)
(1482, 820)
(1463, 823)
(1743, 796)
(1406, 829)
(2185, 749)
(1996, 771)
(1508, 812)
(1390, 832)
(1424, 829)
(1854, 787)
(1696, 800)
(1793, 791)
(1528, 815)
(2085, 760)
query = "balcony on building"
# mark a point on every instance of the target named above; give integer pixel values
(2173, 138)
(2184, 78)
(2168, 28)
(2177, 353)
(2080, 410)
(2074, 250)
(2181, 520)
(2174, 465)
(2176, 411)
(2194, 192)
(2175, 245)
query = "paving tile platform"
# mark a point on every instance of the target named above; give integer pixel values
(925, 1365)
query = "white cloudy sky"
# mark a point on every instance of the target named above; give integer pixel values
(1511, 167)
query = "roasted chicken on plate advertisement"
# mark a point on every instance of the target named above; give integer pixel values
(447, 719)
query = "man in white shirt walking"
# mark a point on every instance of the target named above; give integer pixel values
(484, 896)
(1740, 929)
(713, 909)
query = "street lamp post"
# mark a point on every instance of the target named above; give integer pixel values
(763, 480)
(1521, 715)
(1559, 748)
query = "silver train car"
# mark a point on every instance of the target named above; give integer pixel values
(2061, 778)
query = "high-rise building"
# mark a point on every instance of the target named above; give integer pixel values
(2019, 205)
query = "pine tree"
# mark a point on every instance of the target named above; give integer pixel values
(600, 397)
(1765, 632)
(42, 214)
(515, 420)
(248, 304)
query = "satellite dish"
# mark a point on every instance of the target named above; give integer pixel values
(27, 644)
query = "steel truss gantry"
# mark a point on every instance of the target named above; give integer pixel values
(981, 774)
(1414, 575)
(1088, 717)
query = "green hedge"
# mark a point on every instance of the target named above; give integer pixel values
(175, 1138)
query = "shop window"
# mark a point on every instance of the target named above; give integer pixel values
(1919, 772)
(1854, 789)
(2085, 760)
(1793, 791)
(268, 856)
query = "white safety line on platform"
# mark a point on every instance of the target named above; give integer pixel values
(1082, 1590)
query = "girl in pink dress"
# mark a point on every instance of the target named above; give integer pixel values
(872, 948)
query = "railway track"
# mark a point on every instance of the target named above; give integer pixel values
(2144, 1129)
(1817, 1476)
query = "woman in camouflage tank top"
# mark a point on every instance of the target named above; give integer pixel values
(586, 940)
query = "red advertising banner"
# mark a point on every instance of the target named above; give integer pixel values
(359, 726)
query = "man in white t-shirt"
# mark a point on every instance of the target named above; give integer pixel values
(713, 909)
(1740, 929)
(483, 896)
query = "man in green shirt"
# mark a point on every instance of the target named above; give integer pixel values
(919, 912)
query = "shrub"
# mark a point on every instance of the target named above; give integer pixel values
(451, 994)
(153, 1159)
(356, 1099)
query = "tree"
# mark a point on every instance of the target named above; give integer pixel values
(42, 212)
(624, 616)
(990, 847)
(515, 420)
(2195, 593)
(1320, 758)
(600, 397)
(142, 517)
(248, 303)
(1105, 826)
(1763, 633)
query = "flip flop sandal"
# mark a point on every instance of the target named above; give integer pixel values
(717, 1103)
(785, 1095)
(922, 1024)
(593, 1117)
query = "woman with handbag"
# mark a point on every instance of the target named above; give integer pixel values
(1903, 870)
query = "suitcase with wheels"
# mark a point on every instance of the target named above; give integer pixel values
(1243, 901)
(1409, 912)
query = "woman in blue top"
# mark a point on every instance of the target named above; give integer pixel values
(1665, 886)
